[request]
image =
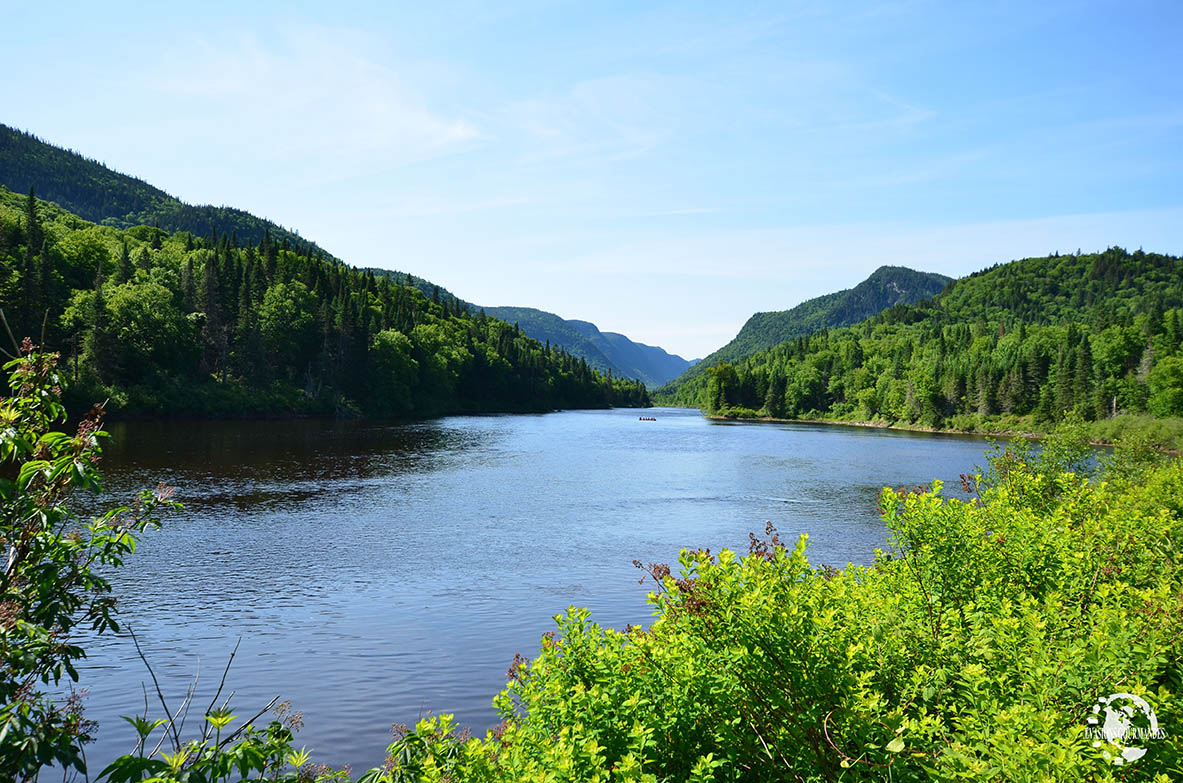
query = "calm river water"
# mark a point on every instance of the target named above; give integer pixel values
(375, 572)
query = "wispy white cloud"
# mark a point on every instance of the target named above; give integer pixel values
(593, 121)
(309, 94)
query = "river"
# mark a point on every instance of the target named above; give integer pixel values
(375, 572)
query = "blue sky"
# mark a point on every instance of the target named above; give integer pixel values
(661, 169)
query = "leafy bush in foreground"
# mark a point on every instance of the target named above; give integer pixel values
(52, 579)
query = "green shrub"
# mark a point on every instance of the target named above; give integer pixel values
(53, 578)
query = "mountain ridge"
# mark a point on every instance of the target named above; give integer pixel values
(884, 288)
(1018, 347)
(93, 191)
(606, 351)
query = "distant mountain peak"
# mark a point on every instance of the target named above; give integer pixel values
(886, 287)
(605, 351)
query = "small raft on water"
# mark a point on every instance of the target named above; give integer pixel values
(646, 418)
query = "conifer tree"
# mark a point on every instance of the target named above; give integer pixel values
(124, 271)
(213, 335)
(1082, 386)
(33, 229)
(96, 347)
(1064, 377)
(46, 302)
(188, 286)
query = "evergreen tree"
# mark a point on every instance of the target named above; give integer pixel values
(47, 302)
(213, 333)
(188, 286)
(774, 399)
(1172, 328)
(96, 346)
(1064, 376)
(1044, 413)
(33, 231)
(124, 271)
(1082, 387)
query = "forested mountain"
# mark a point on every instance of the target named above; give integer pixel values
(171, 323)
(1014, 346)
(887, 286)
(94, 192)
(651, 364)
(435, 293)
(606, 351)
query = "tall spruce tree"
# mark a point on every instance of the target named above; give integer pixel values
(188, 286)
(1082, 386)
(124, 271)
(213, 333)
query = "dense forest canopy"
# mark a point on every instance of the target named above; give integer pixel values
(96, 193)
(887, 286)
(1020, 343)
(162, 322)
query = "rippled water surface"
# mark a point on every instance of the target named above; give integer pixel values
(375, 572)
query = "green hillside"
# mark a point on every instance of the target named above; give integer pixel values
(94, 192)
(1012, 348)
(166, 323)
(608, 352)
(887, 286)
(550, 328)
(651, 364)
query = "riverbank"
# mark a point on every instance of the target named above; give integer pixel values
(875, 425)
(211, 401)
(1163, 434)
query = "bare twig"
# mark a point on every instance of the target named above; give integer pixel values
(159, 694)
(8, 329)
(183, 710)
(214, 701)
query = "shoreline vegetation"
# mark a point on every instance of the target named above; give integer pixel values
(977, 646)
(1163, 434)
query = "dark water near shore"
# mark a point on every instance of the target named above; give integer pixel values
(375, 572)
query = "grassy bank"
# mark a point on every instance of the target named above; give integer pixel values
(1162, 433)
